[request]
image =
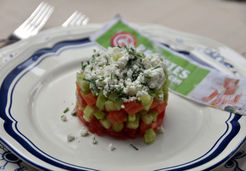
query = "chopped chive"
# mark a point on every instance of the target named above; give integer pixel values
(133, 146)
(66, 110)
(101, 79)
(90, 81)
(107, 62)
(156, 67)
(111, 76)
(147, 76)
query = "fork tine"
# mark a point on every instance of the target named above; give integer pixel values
(76, 19)
(34, 23)
(70, 19)
(86, 20)
(35, 12)
(39, 15)
(45, 19)
(80, 20)
(41, 22)
(41, 19)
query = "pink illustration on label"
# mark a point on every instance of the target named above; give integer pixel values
(123, 38)
(225, 96)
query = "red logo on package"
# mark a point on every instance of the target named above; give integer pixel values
(123, 38)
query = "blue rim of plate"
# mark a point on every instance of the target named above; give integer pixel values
(232, 123)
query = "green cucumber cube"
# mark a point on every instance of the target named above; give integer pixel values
(147, 118)
(149, 136)
(154, 115)
(165, 86)
(146, 101)
(99, 114)
(118, 127)
(101, 99)
(131, 118)
(105, 123)
(133, 124)
(88, 113)
(113, 97)
(112, 106)
(84, 85)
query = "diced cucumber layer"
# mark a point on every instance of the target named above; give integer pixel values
(118, 127)
(133, 124)
(113, 97)
(149, 136)
(84, 85)
(131, 118)
(154, 115)
(146, 101)
(147, 118)
(105, 123)
(101, 99)
(99, 114)
(88, 113)
(165, 86)
(112, 106)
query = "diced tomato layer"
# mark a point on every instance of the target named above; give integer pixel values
(159, 120)
(81, 100)
(90, 99)
(161, 107)
(96, 127)
(119, 135)
(133, 107)
(143, 128)
(117, 116)
(78, 87)
(155, 103)
(131, 133)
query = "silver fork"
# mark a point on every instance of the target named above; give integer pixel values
(32, 24)
(76, 19)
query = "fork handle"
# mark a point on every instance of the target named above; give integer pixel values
(11, 39)
(5, 42)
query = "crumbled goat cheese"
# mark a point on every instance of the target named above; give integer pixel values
(64, 118)
(84, 132)
(160, 130)
(70, 138)
(94, 141)
(111, 147)
(124, 71)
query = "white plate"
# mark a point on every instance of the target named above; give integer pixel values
(40, 83)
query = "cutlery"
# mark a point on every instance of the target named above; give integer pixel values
(32, 25)
(76, 19)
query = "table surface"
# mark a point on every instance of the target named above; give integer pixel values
(221, 20)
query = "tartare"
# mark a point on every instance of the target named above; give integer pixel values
(122, 92)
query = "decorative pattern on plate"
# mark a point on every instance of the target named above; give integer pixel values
(233, 163)
(8, 161)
